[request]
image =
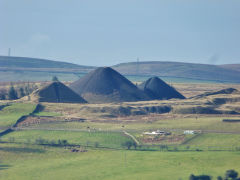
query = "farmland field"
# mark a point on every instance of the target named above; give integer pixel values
(96, 136)
(37, 162)
(220, 140)
(103, 139)
(119, 90)
(206, 123)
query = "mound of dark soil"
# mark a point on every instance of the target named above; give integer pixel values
(59, 93)
(158, 89)
(223, 91)
(105, 85)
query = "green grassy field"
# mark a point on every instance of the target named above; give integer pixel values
(104, 139)
(206, 142)
(35, 162)
(22, 158)
(217, 140)
(10, 114)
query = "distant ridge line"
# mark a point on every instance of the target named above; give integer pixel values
(23, 68)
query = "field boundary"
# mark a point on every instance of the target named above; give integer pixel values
(190, 139)
(9, 130)
(132, 137)
(3, 106)
(22, 118)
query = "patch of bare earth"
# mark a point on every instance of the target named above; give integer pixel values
(30, 120)
(173, 139)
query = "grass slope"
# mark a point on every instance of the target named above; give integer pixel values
(10, 114)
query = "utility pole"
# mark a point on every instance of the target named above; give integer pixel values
(9, 51)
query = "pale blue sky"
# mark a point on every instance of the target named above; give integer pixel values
(107, 32)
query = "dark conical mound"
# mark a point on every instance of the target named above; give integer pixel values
(106, 85)
(59, 93)
(223, 91)
(158, 89)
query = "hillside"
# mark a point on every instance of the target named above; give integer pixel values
(180, 70)
(26, 62)
(33, 69)
(235, 67)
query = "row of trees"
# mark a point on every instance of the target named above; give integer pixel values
(229, 175)
(16, 92)
(41, 141)
(60, 142)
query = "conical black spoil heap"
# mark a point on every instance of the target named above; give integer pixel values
(59, 93)
(158, 89)
(105, 85)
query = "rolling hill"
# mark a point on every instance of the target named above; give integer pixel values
(235, 67)
(33, 69)
(26, 62)
(181, 70)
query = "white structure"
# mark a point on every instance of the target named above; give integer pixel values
(158, 132)
(189, 132)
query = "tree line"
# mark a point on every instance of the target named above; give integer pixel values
(17, 91)
(229, 175)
